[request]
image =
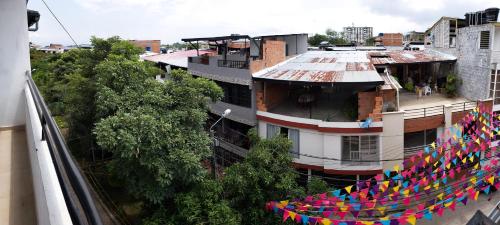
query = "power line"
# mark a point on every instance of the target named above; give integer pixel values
(62, 26)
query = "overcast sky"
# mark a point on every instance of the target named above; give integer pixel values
(171, 20)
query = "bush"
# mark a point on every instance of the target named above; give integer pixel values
(452, 84)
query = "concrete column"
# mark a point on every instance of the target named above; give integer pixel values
(309, 175)
(392, 140)
(14, 61)
(447, 116)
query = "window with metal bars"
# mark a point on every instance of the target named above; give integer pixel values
(484, 40)
(360, 148)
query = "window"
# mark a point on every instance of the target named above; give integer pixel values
(148, 48)
(484, 40)
(360, 148)
(236, 94)
(292, 134)
(495, 87)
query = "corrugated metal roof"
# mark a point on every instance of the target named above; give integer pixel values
(179, 59)
(345, 66)
(407, 57)
(324, 66)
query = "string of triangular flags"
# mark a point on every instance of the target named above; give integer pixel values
(447, 172)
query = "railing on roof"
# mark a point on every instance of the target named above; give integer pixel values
(232, 64)
(76, 193)
(463, 106)
(424, 112)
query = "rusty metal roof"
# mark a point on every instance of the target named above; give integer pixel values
(345, 66)
(408, 57)
(324, 67)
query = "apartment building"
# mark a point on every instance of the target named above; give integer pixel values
(475, 41)
(343, 110)
(236, 57)
(358, 35)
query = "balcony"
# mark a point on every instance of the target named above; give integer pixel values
(431, 105)
(233, 69)
(17, 198)
(41, 183)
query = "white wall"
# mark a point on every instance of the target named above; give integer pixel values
(322, 144)
(14, 61)
(496, 39)
(393, 138)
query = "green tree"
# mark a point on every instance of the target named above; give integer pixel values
(317, 185)
(316, 39)
(335, 38)
(265, 174)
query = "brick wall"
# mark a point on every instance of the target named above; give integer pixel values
(425, 123)
(392, 39)
(153, 44)
(366, 101)
(274, 94)
(273, 53)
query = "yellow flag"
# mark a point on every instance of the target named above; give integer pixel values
(326, 221)
(411, 220)
(292, 215)
(367, 222)
(491, 180)
(396, 168)
(440, 196)
(381, 210)
(348, 189)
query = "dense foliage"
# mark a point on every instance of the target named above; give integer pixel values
(330, 36)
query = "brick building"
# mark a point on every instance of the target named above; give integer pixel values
(389, 39)
(148, 45)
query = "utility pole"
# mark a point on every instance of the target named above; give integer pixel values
(215, 142)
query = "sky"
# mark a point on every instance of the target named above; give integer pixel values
(171, 20)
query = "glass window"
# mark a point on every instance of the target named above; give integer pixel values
(360, 148)
(292, 134)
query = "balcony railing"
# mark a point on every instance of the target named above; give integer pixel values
(232, 64)
(464, 106)
(55, 169)
(424, 112)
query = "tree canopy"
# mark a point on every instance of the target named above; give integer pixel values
(331, 36)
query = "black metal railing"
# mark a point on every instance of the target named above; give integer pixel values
(76, 193)
(232, 64)
(424, 112)
(463, 106)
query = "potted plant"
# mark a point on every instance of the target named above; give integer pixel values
(452, 84)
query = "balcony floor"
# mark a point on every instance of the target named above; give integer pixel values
(17, 205)
(410, 100)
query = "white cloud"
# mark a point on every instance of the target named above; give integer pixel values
(171, 20)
